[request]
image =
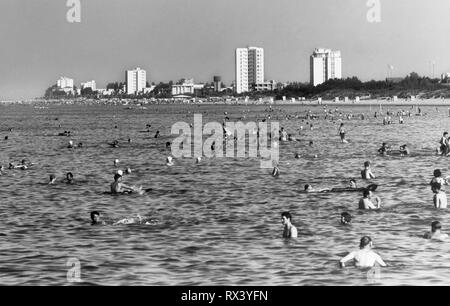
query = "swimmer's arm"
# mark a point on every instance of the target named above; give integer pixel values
(380, 261)
(347, 258)
(371, 175)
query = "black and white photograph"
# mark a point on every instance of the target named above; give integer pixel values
(224, 143)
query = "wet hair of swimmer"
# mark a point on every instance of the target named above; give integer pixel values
(346, 218)
(52, 177)
(437, 173)
(93, 214)
(365, 241)
(117, 176)
(367, 164)
(69, 176)
(435, 225)
(366, 192)
(307, 186)
(287, 215)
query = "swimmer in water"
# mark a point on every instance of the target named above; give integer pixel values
(95, 217)
(404, 150)
(119, 188)
(352, 183)
(436, 232)
(367, 174)
(116, 162)
(444, 144)
(439, 198)
(276, 172)
(341, 133)
(364, 257)
(52, 179)
(169, 161)
(157, 134)
(346, 218)
(69, 178)
(366, 201)
(289, 230)
(127, 171)
(438, 179)
(384, 149)
(70, 145)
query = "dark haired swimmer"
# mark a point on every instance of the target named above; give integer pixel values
(366, 173)
(119, 188)
(436, 232)
(364, 257)
(366, 201)
(346, 218)
(95, 217)
(69, 178)
(52, 179)
(289, 230)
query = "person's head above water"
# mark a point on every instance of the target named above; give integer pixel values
(435, 226)
(437, 173)
(69, 176)
(286, 216)
(365, 241)
(367, 164)
(367, 193)
(445, 134)
(117, 177)
(52, 178)
(346, 218)
(353, 183)
(95, 216)
(308, 187)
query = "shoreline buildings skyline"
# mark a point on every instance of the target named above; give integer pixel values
(325, 65)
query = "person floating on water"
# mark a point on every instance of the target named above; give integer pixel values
(439, 198)
(367, 174)
(289, 230)
(366, 201)
(436, 232)
(364, 257)
(346, 218)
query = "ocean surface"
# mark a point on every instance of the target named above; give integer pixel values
(217, 222)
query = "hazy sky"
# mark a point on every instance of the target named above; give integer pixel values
(173, 39)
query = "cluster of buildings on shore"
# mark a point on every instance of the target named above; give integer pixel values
(325, 64)
(249, 76)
